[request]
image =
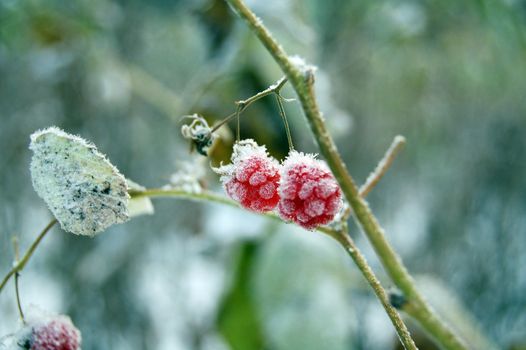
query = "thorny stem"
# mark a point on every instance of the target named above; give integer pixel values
(341, 236)
(243, 104)
(19, 265)
(285, 121)
(382, 167)
(301, 77)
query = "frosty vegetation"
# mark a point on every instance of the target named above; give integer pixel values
(83, 190)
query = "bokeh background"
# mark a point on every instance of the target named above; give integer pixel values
(449, 75)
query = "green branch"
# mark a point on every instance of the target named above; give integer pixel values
(19, 265)
(301, 77)
(243, 104)
(382, 167)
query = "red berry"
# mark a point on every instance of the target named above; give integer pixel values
(252, 179)
(57, 333)
(310, 196)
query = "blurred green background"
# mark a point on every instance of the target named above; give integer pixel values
(449, 75)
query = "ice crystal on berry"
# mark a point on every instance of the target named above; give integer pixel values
(310, 196)
(252, 178)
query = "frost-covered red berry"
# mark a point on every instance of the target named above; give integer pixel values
(43, 331)
(58, 333)
(310, 196)
(252, 179)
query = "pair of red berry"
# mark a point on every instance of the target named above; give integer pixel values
(302, 188)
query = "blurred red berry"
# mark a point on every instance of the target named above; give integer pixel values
(310, 196)
(252, 179)
(58, 333)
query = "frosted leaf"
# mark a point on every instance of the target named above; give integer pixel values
(83, 190)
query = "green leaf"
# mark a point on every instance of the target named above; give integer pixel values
(238, 320)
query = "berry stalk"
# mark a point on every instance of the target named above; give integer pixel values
(279, 100)
(19, 265)
(18, 303)
(243, 104)
(383, 165)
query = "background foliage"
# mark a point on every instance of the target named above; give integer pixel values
(448, 75)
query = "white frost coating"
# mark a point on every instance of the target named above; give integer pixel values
(304, 67)
(309, 159)
(257, 178)
(83, 190)
(243, 150)
(326, 188)
(267, 190)
(288, 206)
(315, 208)
(188, 176)
(306, 189)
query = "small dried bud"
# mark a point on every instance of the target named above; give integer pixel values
(199, 133)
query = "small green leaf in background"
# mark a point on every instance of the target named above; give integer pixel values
(237, 319)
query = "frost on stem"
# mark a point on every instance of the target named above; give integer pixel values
(199, 133)
(306, 69)
(252, 178)
(83, 190)
(310, 196)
